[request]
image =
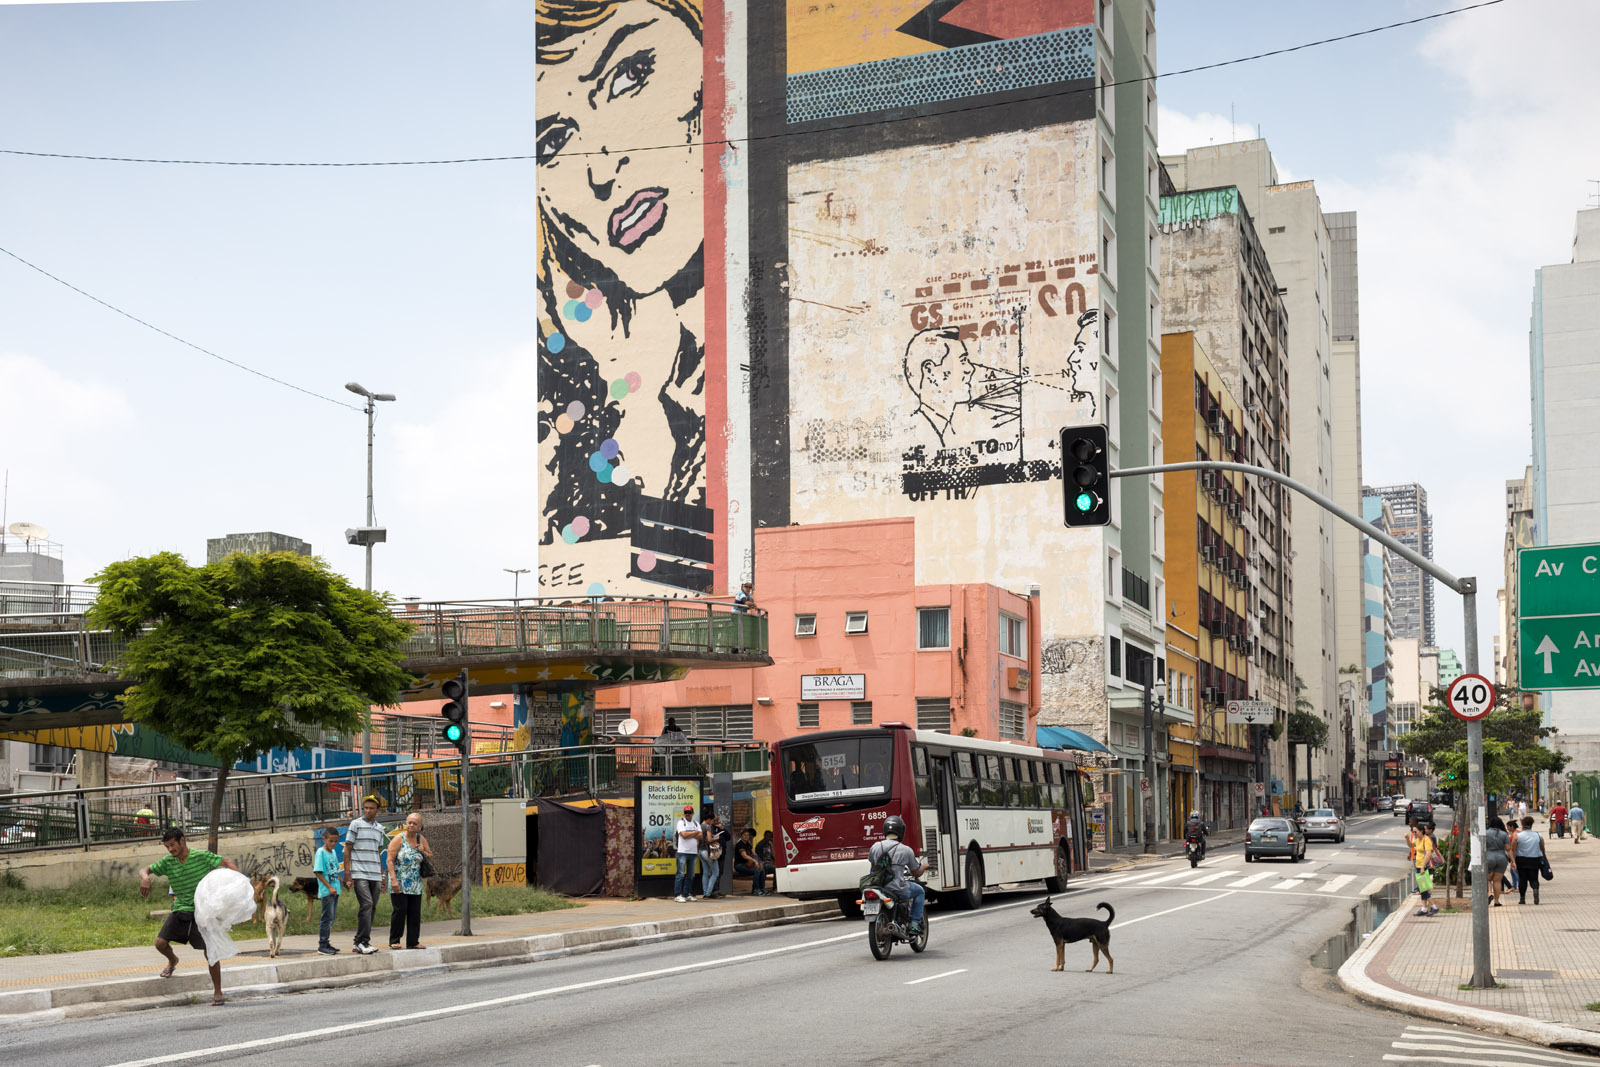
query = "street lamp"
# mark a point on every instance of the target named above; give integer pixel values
(370, 534)
(516, 579)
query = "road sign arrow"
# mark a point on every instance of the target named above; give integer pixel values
(1546, 648)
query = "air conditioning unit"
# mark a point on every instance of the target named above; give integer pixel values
(1233, 443)
(1217, 627)
(1263, 611)
(1208, 553)
(1211, 695)
(1208, 479)
(1233, 511)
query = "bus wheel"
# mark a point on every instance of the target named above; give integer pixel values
(972, 896)
(1058, 884)
(850, 905)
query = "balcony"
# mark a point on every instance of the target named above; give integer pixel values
(1135, 588)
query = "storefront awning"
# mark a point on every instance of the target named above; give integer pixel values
(1061, 737)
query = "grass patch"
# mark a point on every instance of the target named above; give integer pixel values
(1592, 1007)
(109, 913)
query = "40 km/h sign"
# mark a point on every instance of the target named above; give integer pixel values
(1470, 697)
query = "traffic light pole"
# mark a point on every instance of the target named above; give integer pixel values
(466, 831)
(1482, 975)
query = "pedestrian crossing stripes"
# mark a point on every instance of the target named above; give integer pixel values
(1336, 884)
(1251, 879)
(1302, 877)
(1430, 1044)
(1374, 885)
(1211, 878)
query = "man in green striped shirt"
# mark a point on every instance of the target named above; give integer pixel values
(183, 868)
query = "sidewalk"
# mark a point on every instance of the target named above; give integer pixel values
(1546, 958)
(73, 985)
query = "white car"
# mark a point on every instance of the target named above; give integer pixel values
(1324, 822)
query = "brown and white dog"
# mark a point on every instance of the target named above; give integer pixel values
(443, 889)
(277, 919)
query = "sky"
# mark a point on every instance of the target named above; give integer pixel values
(1465, 145)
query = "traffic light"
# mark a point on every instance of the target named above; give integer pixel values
(455, 712)
(1085, 475)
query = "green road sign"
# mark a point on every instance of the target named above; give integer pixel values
(1558, 607)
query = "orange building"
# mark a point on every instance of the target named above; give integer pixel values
(1208, 541)
(856, 641)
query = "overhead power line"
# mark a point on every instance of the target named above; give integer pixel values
(771, 136)
(167, 333)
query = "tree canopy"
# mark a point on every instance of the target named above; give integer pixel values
(1512, 752)
(249, 653)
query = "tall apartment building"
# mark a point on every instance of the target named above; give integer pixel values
(932, 247)
(1377, 632)
(1564, 359)
(1216, 283)
(1413, 590)
(1299, 248)
(1518, 535)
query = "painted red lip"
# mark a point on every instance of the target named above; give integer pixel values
(640, 217)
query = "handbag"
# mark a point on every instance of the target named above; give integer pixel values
(1544, 865)
(425, 869)
(1424, 882)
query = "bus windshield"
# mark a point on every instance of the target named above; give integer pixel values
(837, 769)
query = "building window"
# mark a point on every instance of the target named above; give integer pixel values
(861, 713)
(855, 622)
(808, 717)
(733, 723)
(1116, 657)
(805, 626)
(1013, 636)
(933, 714)
(933, 627)
(1013, 718)
(606, 720)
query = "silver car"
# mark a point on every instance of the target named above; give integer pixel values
(1324, 822)
(1272, 836)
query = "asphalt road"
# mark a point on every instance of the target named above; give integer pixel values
(1207, 973)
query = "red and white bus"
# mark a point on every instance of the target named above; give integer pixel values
(978, 813)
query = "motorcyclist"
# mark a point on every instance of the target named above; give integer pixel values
(902, 863)
(1195, 830)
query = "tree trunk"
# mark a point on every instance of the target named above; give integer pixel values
(216, 807)
(1294, 778)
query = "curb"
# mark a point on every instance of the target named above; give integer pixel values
(45, 1005)
(1354, 978)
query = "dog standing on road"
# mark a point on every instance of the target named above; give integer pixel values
(443, 889)
(1065, 929)
(277, 918)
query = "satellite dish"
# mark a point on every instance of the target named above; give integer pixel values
(28, 531)
(628, 727)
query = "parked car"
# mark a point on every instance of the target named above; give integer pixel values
(1324, 822)
(1385, 804)
(1275, 836)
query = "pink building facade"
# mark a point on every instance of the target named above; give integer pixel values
(856, 641)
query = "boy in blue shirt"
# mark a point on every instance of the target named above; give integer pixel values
(326, 868)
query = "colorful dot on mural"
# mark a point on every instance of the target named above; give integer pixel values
(633, 380)
(574, 290)
(569, 535)
(597, 589)
(619, 388)
(604, 475)
(570, 309)
(609, 448)
(575, 410)
(598, 461)
(647, 561)
(620, 474)
(555, 343)
(563, 424)
(594, 298)
(580, 525)
(582, 312)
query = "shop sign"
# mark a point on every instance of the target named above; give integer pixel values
(833, 687)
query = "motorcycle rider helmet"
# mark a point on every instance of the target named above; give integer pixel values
(895, 825)
(1194, 815)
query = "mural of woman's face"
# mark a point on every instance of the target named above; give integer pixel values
(632, 82)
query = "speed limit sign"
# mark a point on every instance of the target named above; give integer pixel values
(1470, 697)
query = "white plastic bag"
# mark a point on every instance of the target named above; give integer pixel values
(222, 898)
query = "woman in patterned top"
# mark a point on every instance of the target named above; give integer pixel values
(406, 853)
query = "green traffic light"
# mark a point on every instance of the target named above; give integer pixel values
(1083, 502)
(452, 732)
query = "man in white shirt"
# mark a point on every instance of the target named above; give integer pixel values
(364, 846)
(688, 854)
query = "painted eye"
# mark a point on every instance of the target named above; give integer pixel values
(553, 140)
(630, 75)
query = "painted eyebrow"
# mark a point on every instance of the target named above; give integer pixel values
(611, 46)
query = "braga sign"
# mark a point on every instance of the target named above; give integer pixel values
(833, 687)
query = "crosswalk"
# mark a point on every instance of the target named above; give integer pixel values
(1275, 879)
(1436, 1044)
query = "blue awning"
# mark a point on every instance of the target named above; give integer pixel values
(1061, 737)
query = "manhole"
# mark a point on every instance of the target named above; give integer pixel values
(1526, 974)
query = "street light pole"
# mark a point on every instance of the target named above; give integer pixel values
(367, 538)
(516, 579)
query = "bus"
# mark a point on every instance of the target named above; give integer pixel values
(978, 813)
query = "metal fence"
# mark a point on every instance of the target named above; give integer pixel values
(82, 817)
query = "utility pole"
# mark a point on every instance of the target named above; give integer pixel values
(466, 822)
(367, 536)
(1482, 975)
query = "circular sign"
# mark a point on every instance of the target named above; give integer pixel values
(1144, 785)
(1470, 697)
(1259, 788)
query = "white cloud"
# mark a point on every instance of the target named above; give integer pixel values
(60, 441)
(1177, 132)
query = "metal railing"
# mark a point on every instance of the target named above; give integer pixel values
(79, 818)
(28, 603)
(450, 629)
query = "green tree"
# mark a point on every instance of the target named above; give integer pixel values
(249, 653)
(1512, 749)
(1307, 728)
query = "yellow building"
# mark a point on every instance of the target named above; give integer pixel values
(1208, 587)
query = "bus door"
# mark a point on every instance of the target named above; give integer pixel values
(944, 802)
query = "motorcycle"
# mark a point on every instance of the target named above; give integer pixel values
(1195, 849)
(888, 923)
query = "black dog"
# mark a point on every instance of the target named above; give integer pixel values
(1064, 930)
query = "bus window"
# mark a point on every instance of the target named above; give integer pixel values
(851, 769)
(994, 795)
(1031, 773)
(967, 794)
(1013, 786)
(919, 760)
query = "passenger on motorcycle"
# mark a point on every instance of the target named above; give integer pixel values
(902, 862)
(1195, 830)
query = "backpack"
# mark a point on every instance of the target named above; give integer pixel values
(882, 872)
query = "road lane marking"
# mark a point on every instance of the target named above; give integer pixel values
(1209, 878)
(1488, 1057)
(1169, 911)
(1428, 1033)
(1123, 880)
(1168, 878)
(1374, 885)
(1336, 884)
(931, 977)
(1288, 883)
(1241, 883)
